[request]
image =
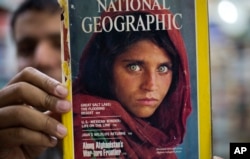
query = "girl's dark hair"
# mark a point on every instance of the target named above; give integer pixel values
(96, 71)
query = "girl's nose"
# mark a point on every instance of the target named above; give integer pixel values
(149, 81)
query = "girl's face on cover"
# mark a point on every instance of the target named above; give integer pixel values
(142, 77)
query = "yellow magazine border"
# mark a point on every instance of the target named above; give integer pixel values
(67, 119)
(203, 79)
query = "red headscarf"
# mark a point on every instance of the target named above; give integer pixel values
(142, 140)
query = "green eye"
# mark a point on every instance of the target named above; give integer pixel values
(163, 69)
(134, 67)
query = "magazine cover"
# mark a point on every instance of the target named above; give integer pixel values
(138, 73)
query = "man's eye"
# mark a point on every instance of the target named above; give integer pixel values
(26, 48)
(134, 67)
(55, 40)
(163, 69)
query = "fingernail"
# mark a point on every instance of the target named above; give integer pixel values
(61, 130)
(63, 106)
(216, 157)
(53, 140)
(61, 90)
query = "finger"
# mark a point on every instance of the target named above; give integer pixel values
(55, 116)
(216, 157)
(41, 80)
(25, 93)
(21, 116)
(13, 137)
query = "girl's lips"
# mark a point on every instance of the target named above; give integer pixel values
(147, 101)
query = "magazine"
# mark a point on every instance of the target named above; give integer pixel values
(138, 75)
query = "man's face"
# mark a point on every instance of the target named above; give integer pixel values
(37, 35)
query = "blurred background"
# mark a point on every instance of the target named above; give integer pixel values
(7, 51)
(229, 30)
(229, 22)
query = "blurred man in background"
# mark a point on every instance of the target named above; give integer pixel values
(36, 32)
(26, 132)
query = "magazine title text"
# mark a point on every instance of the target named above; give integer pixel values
(127, 22)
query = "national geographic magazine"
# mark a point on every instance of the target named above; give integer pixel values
(138, 75)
